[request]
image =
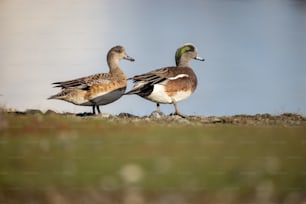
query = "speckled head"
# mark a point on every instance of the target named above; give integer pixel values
(119, 53)
(188, 50)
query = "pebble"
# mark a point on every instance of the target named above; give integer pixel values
(33, 112)
(157, 115)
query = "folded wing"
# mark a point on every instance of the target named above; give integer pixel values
(84, 83)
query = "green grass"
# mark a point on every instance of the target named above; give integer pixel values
(42, 152)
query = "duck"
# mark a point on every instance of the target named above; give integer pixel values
(169, 85)
(98, 89)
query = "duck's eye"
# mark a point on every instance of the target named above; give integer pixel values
(184, 50)
(189, 49)
(119, 49)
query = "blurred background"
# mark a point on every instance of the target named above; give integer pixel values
(255, 51)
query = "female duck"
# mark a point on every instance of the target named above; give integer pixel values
(169, 85)
(97, 89)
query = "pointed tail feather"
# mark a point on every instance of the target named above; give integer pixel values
(59, 95)
(141, 90)
(133, 91)
(138, 86)
(53, 97)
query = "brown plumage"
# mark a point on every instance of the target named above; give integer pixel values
(97, 89)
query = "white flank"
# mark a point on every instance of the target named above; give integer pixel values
(160, 96)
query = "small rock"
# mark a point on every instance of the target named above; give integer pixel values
(126, 115)
(216, 120)
(157, 114)
(104, 115)
(183, 121)
(33, 112)
(50, 112)
(204, 120)
(173, 117)
(177, 119)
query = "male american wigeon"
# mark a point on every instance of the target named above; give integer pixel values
(169, 85)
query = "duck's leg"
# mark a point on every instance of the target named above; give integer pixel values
(158, 107)
(93, 110)
(157, 113)
(98, 109)
(177, 112)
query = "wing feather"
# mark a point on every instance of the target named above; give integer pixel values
(84, 82)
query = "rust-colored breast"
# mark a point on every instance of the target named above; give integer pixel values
(186, 83)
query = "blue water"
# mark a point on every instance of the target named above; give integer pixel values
(255, 51)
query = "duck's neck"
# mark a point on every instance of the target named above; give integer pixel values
(113, 65)
(183, 62)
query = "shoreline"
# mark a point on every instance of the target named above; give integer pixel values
(286, 119)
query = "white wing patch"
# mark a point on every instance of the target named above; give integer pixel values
(178, 76)
(159, 95)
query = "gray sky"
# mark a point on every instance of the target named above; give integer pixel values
(255, 51)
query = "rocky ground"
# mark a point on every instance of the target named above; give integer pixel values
(216, 159)
(286, 119)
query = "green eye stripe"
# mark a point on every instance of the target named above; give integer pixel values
(181, 51)
(185, 49)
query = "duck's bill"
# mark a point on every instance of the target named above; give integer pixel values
(199, 58)
(129, 58)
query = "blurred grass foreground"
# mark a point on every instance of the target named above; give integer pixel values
(56, 158)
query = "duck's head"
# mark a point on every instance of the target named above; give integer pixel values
(185, 53)
(117, 53)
